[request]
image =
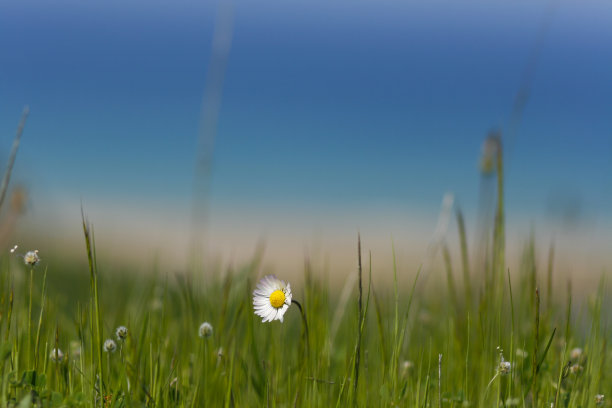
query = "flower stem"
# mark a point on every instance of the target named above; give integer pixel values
(30, 317)
(303, 321)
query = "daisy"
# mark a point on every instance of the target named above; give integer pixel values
(271, 298)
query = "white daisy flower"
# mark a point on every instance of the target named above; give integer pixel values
(271, 298)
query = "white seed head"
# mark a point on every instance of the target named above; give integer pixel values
(505, 367)
(599, 399)
(575, 369)
(521, 353)
(576, 353)
(31, 258)
(206, 330)
(121, 333)
(110, 346)
(56, 355)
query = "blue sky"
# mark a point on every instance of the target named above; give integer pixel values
(326, 105)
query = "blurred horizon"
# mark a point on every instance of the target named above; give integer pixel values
(335, 119)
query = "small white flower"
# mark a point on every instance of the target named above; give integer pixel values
(271, 298)
(576, 368)
(504, 367)
(599, 399)
(576, 353)
(110, 346)
(521, 353)
(206, 330)
(31, 258)
(407, 365)
(56, 355)
(121, 333)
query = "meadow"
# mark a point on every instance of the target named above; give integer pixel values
(471, 334)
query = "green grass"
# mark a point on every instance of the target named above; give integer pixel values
(397, 342)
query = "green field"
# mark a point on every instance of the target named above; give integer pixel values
(84, 334)
(489, 338)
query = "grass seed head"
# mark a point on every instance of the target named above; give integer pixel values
(488, 157)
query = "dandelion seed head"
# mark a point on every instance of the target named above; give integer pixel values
(121, 333)
(205, 330)
(599, 399)
(110, 346)
(56, 355)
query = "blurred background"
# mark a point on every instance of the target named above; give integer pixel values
(307, 123)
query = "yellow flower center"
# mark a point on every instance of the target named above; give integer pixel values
(277, 298)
